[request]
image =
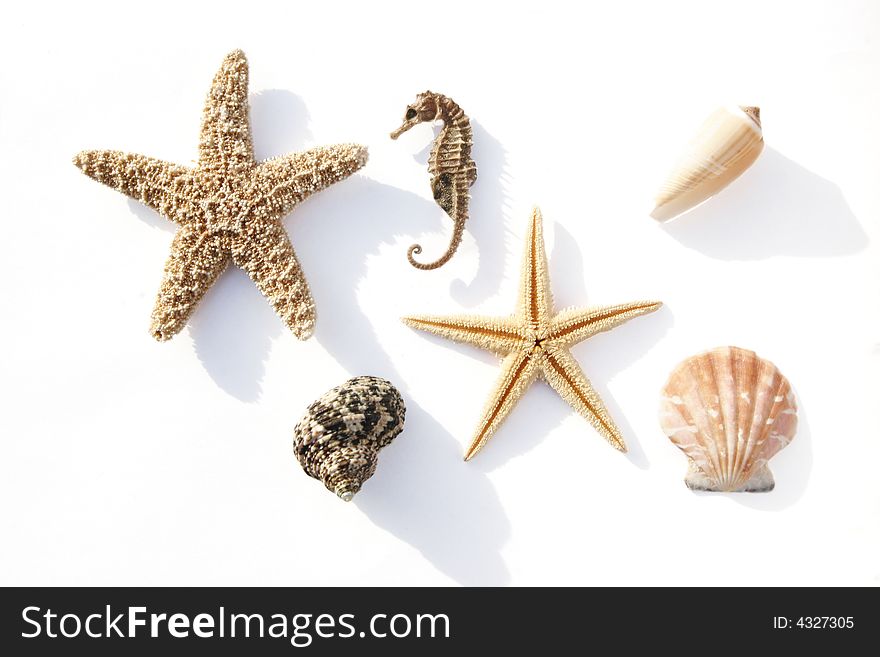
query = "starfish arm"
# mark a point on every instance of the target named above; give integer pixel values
(566, 377)
(283, 182)
(161, 185)
(498, 335)
(535, 298)
(264, 251)
(225, 143)
(518, 370)
(197, 258)
(572, 326)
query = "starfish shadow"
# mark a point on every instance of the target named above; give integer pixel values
(150, 216)
(606, 354)
(232, 332)
(539, 411)
(232, 327)
(603, 356)
(777, 207)
(422, 493)
(279, 123)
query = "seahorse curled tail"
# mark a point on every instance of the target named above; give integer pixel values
(442, 260)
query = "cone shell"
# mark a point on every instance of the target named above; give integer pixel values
(338, 439)
(728, 143)
(729, 411)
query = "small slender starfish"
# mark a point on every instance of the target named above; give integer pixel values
(535, 343)
(229, 207)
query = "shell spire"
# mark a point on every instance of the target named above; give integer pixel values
(730, 412)
(338, 439)
(753, 112)
(727, 144)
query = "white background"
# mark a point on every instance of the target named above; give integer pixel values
(127, 462)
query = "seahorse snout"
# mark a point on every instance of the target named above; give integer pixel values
(407, 124)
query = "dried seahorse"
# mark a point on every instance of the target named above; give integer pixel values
(450, 165)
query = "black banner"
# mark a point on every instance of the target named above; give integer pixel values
(251, 621)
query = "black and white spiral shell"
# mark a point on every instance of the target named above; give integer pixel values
(338, 439)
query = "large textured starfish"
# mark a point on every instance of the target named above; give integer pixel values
(535, 343)
(229, 207)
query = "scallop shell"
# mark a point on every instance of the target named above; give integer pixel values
(728, 143)
(729, 411)
(338, 439)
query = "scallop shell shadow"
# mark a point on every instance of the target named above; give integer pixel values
(730, 412)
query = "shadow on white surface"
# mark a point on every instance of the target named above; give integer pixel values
(232, 331)
(486, 221)
(368, 214)
(448, 510)
(232, 327)
(423, 493)
(776, 208)
(279, 123)
(530, 423)
(606, 354)
(154, 219)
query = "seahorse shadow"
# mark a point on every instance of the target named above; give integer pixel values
(777, 207)
(602, 356)
(489, 206)
(422, 493)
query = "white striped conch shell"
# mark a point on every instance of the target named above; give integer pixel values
(727, 144)
(729, 411)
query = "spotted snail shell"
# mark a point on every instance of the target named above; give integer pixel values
(728, 143)
(729, 411)
(338, 439)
